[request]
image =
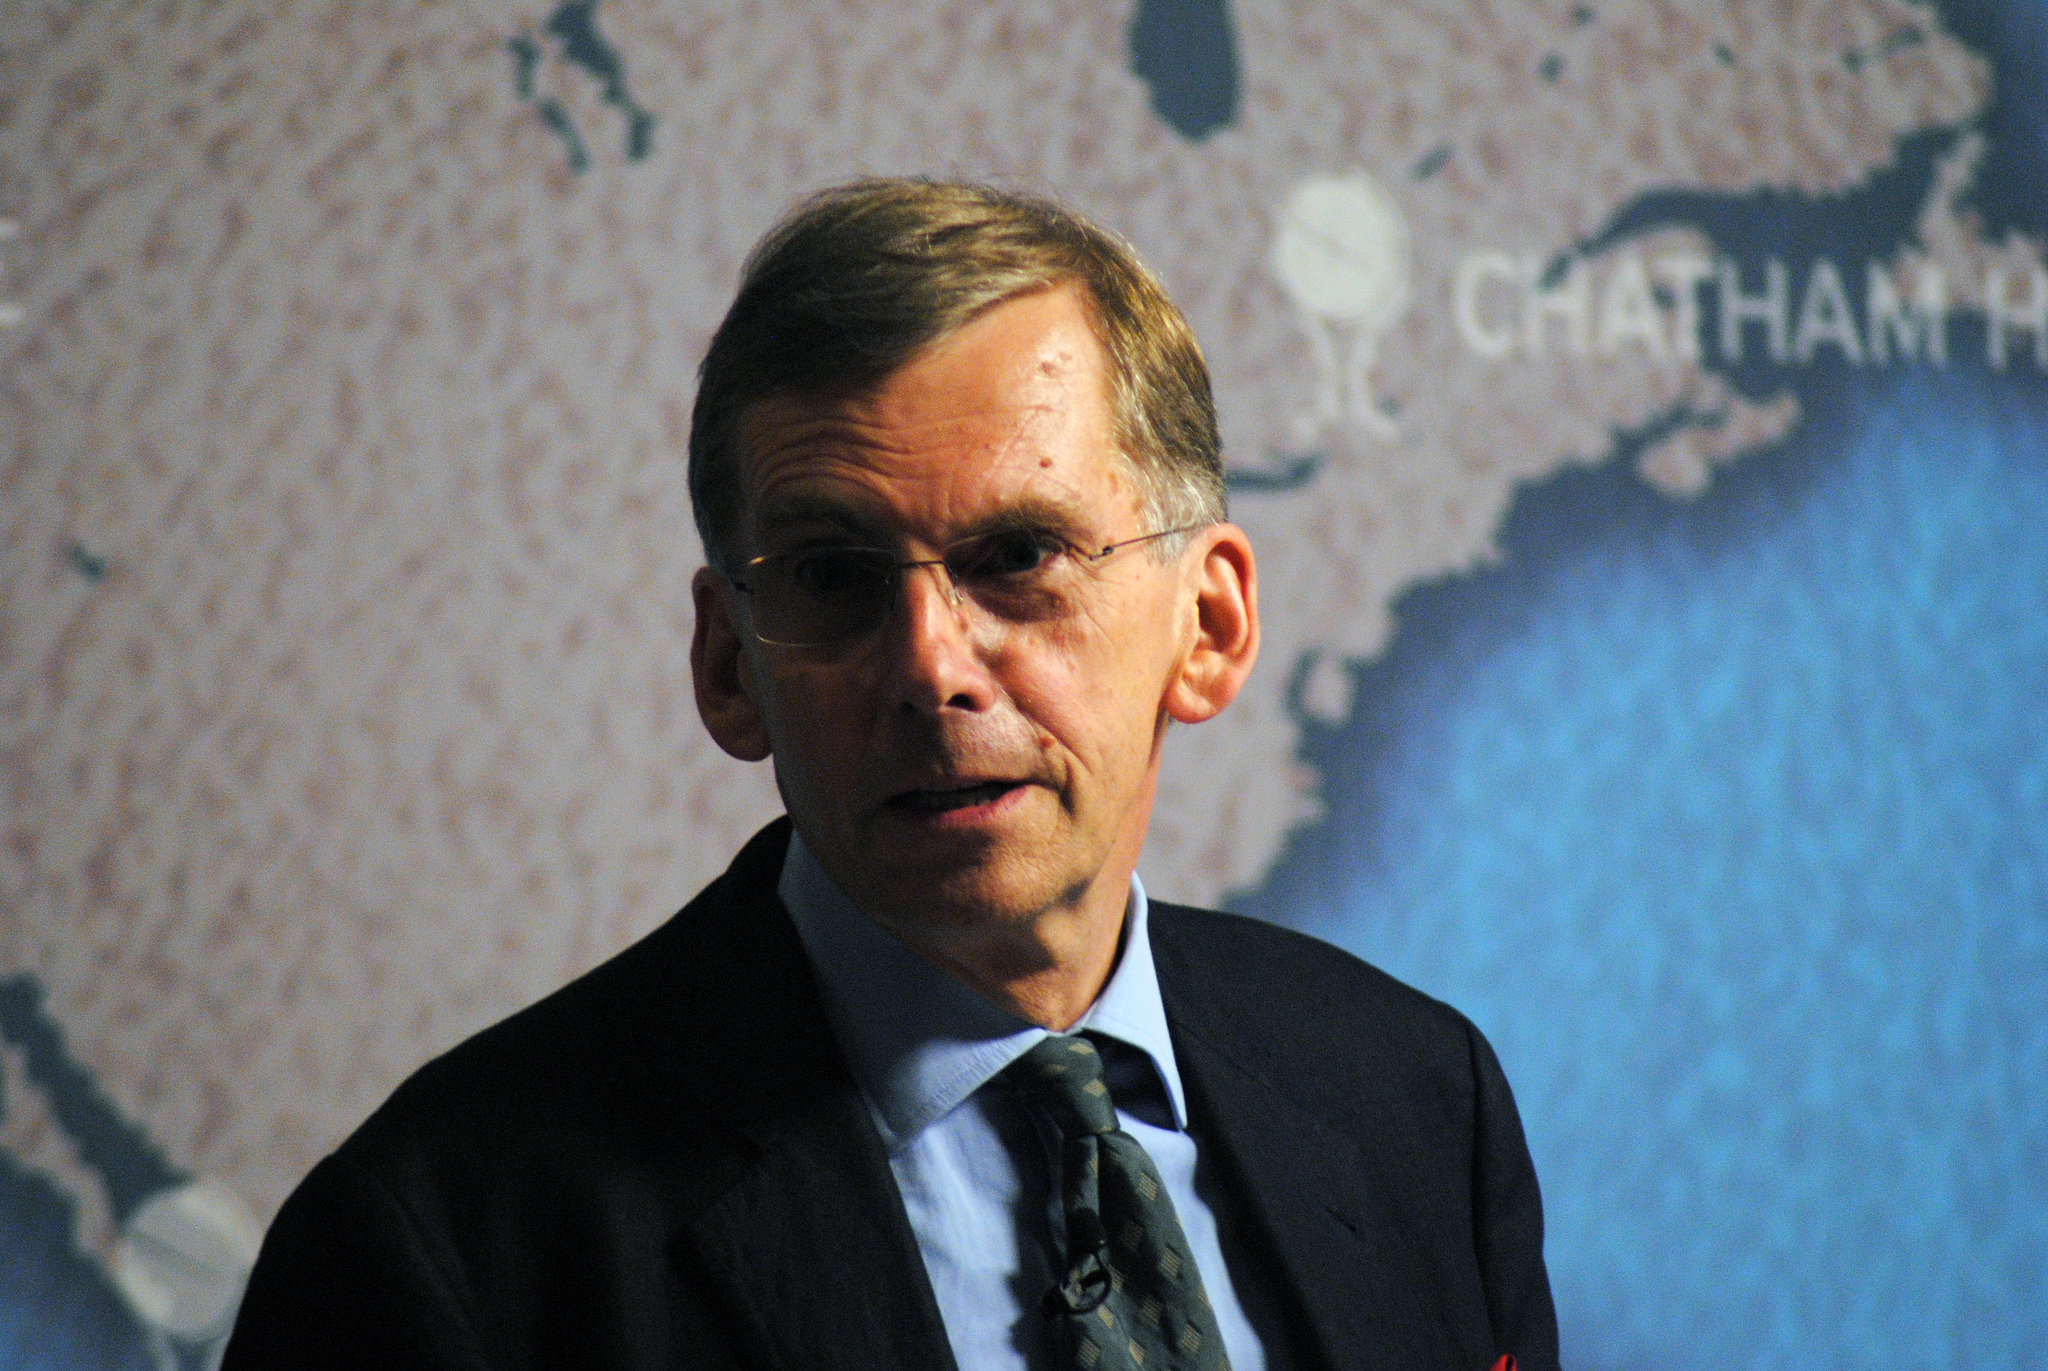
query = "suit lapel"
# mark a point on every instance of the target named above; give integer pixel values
(1308, 1188)
(808, 1239)
(813, 1248)
(1318, 1197)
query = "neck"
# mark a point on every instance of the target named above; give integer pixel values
(1047, 969)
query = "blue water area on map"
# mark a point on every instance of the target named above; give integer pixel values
(1186, 51)
(57, 1313)
(1287, 471)
(2010, 192)
(1728, 821)
(574, 27)
(129, 1164)
(57, 1310)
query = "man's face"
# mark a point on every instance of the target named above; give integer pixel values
(953, 767)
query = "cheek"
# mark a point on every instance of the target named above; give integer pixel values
(1096, 700)
(812, 725)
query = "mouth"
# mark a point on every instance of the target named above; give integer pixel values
(948, 799)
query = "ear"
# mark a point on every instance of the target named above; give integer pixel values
(1226, 639)
(718, 671)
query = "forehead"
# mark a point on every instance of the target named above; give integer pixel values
(1009, 413)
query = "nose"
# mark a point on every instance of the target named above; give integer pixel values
(938, 648)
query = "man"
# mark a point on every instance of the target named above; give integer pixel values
(924, 1079)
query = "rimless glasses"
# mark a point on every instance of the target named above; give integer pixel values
(833, 595)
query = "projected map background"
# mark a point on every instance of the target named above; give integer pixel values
(1639, 412)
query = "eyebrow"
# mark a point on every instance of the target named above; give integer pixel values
(1031, 511)
(812, 509)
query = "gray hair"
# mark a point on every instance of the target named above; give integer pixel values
(857, 279)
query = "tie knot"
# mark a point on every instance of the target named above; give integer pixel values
(1063, 1076)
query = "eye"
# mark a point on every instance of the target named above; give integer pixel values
(1005, 556)
(837, 571)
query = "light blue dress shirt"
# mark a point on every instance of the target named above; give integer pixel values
(972, 1169)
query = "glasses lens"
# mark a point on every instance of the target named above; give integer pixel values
(826, 596)
(822, 595)
(995, 556)
(1019, 575)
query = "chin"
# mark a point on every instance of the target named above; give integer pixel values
(977, 895)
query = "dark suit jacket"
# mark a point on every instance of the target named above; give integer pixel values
(668, 1164)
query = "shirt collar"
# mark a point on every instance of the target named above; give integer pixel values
(919, 1042)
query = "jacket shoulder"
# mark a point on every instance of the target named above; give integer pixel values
(1249, 962)
(1281, 1025)
(1341, 1034)
(659, 1043)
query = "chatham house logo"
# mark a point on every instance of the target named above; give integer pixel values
(1343, 253)
(1345, 256)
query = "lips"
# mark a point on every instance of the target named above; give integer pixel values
(943, 799)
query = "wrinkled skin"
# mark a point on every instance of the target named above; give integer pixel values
(981, 789)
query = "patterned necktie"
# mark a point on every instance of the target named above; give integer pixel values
(1131, 1297)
